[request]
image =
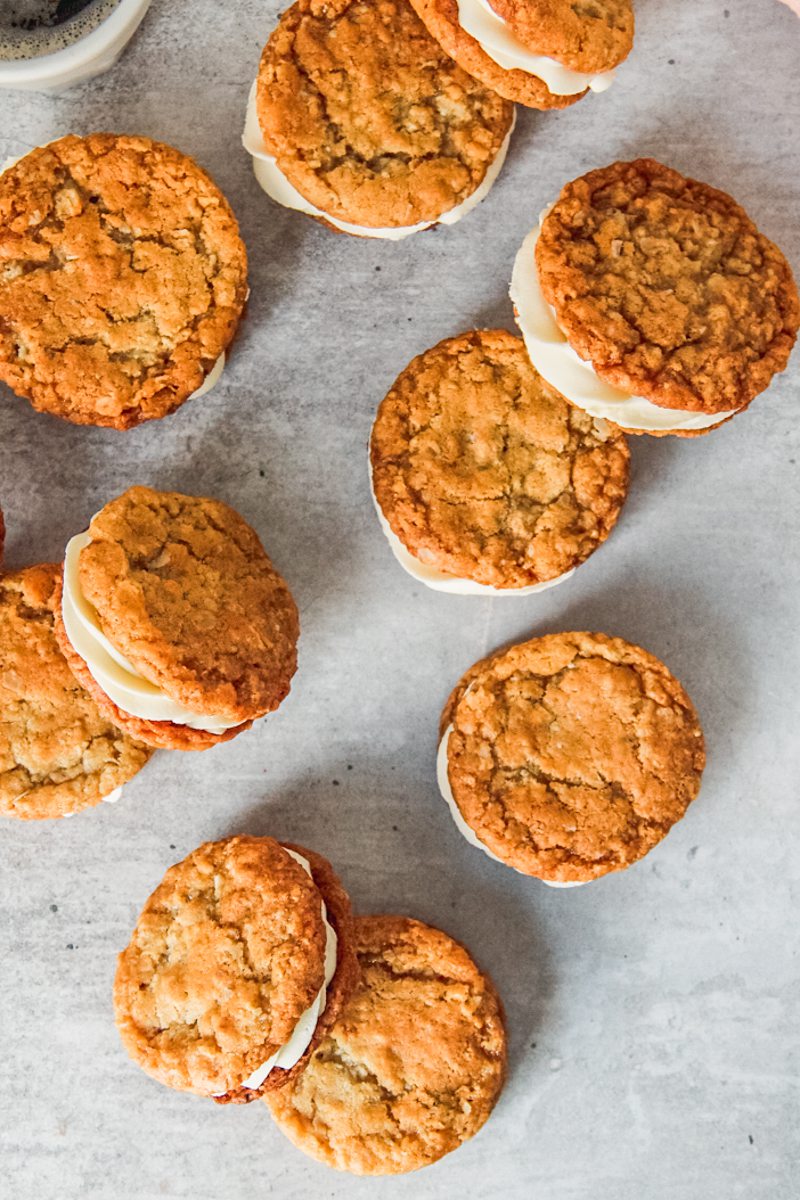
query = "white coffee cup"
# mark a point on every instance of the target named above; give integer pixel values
(84, 59)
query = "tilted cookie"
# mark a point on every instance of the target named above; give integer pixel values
(412, 1067)
(359, 119)
(240, 962)
(122, 279)
(542, 53)
(58, 753)
(486, 481)
(569, 756)
(175, 620)
(653, 301)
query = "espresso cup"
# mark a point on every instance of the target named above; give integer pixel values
(83, 59)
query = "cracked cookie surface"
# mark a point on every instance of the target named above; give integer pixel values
(486, 473)
(572, 755)
(584, 35)
(440, 18)
(414, 1064)
(58, 755)
(367, 116)
(227, 955)
(666, 286)
(122, 278)
(185, 591)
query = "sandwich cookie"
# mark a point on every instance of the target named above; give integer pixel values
(652, 300)
(174, 619)
(240, 962)
(58, 753)
(540, 53)
(412, 1067)
(358, 118)
(569, 756)
(486, 481)
(122, 279)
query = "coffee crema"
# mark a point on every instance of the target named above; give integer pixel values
(33, 28)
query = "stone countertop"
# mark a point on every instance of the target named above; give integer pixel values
(653, 1015)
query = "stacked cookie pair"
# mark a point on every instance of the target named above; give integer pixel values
(648, 303)
(167, 627)
(377, 1043)
(383, 119)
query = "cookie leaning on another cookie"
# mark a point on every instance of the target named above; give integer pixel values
(175, 620)
(124, 279)
(58, 754)
(541, 53)
(359, 119)
(240, 962)
(569, 756)
(486, 481)
(653, 301)
(412, 1067)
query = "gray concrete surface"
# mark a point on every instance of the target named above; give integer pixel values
(653, 1015)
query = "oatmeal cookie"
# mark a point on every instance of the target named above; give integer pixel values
(667, 288)
(571, 755)
(122, 279)
(182, 589)
(226, 958)
(486, 473)
(413, 1066)
(58, 754)
(369, 119)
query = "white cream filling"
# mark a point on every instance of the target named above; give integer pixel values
(292, 1051)
(111, 798)
(277, 186)
(560, 365)
(466, 831)
(440, 581)
(118, 678)
(497, 39)
(212, 379)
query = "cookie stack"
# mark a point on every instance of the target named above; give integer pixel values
(167, 627)
(383, 119)
(377, 1043)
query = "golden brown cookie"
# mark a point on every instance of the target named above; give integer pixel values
(58, 754)
(667, 288)
(413, 1066)
(441, 20)
(486, 473)
(122, 279)
(584, 35)
(182, 589)
(368, 118)
(570, 756)
(228, 960)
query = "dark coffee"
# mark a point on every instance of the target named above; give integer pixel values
(31, 28)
